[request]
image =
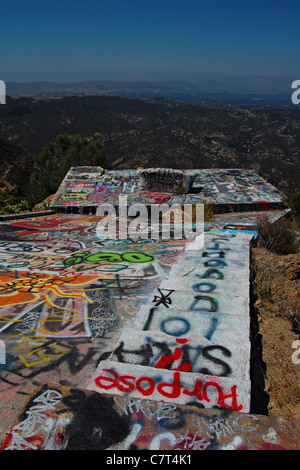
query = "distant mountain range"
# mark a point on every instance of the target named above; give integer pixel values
(157, 132)
(236, 91)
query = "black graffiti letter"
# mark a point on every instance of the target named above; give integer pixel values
(226, 369)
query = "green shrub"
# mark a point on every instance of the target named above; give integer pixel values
(263, 282)
(293, 201)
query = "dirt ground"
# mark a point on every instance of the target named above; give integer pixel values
(276, 291)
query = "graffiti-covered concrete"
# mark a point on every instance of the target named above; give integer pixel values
(65, 296)
(170, 363)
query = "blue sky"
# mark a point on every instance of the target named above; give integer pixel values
(148, 39)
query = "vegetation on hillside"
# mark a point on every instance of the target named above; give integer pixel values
(16, 165)
(26, 180)
(279, 236)
(55, 160)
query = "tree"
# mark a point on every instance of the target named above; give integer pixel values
(55, 160)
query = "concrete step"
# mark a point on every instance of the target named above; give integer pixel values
(221, 303)
(195, 354)
(220, 328)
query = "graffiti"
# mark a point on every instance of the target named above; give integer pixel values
(181, 387)
(102, 315)
(172, 390)
(75, 196)
(166, 180)
(223, 188)
(145, 327)
(36, 417)
(212, 303)
(63, 263)
(31, 287)
(81, 187)
(159, 354)
(217, 327)
(71, 418)
(97, 424)
(186, 300)
(57, 233)
(20, 247)
(68, 318)
(197, 354)
(41, 309)
(45, 352)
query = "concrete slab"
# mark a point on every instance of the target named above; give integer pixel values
(238, 190)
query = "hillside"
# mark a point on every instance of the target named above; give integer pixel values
(166, 133)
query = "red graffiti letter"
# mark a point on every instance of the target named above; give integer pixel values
(175, 387)
(196, 392)
(124, 380)
(113, 381)
(222, 397)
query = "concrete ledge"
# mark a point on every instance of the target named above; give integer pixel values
(171, 386)
(25, 215)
